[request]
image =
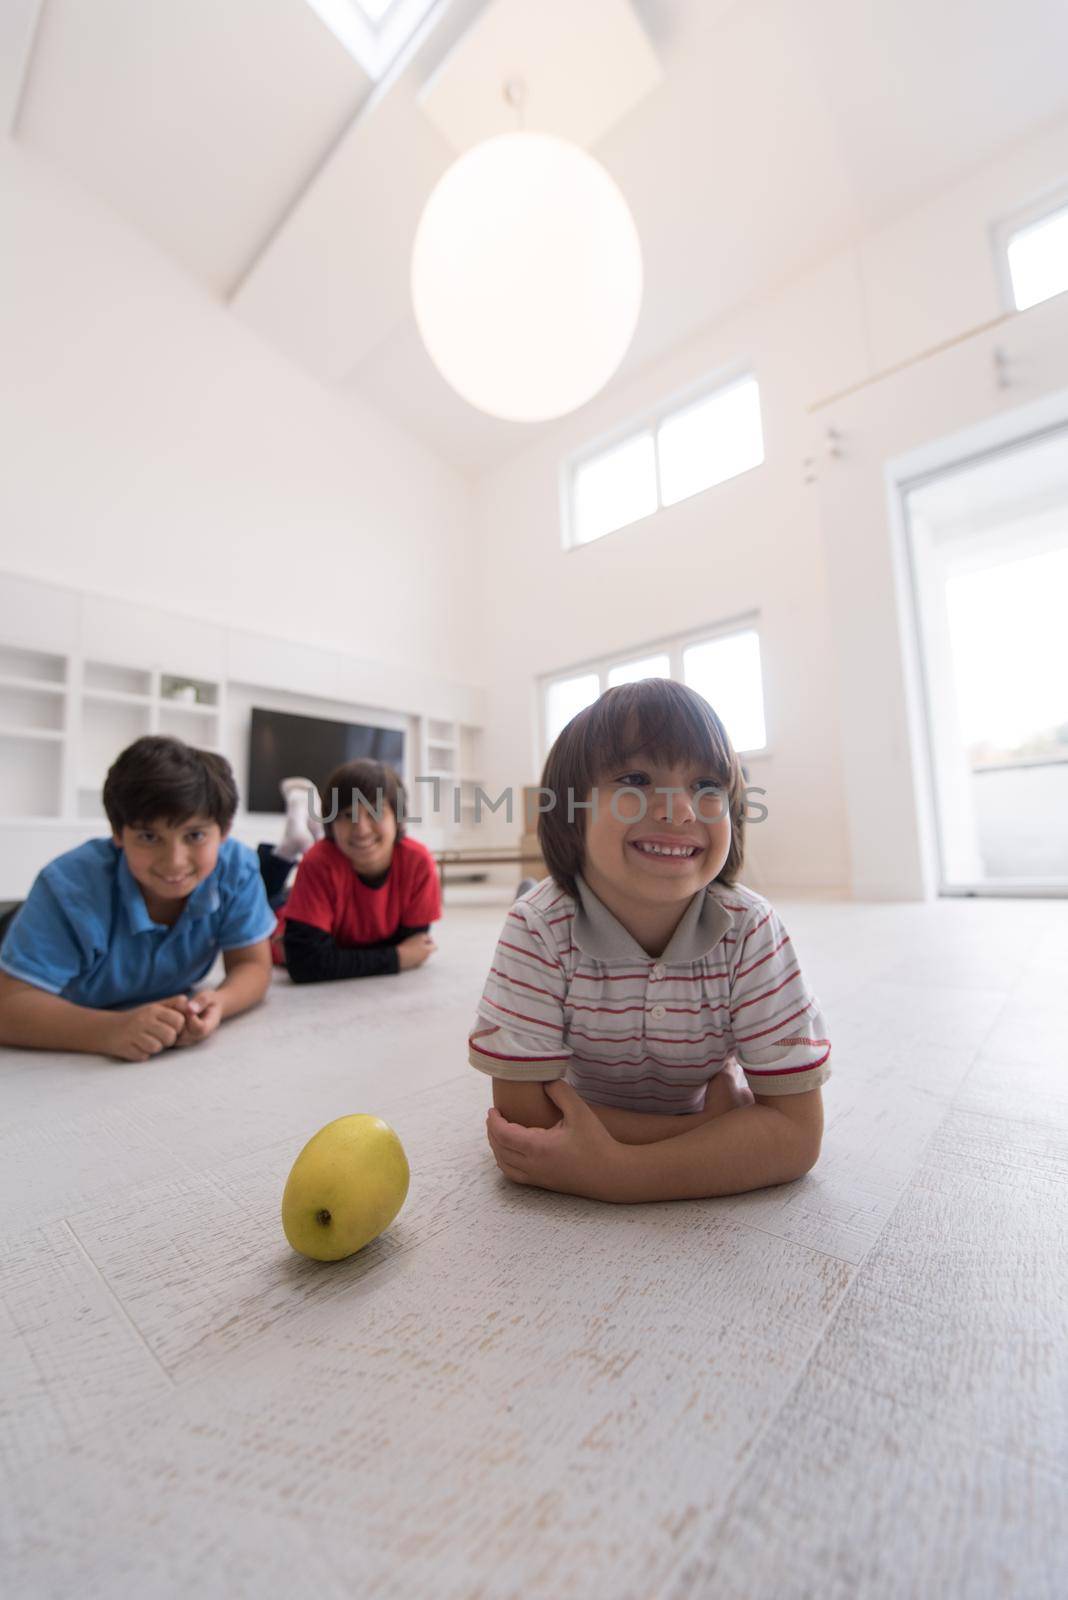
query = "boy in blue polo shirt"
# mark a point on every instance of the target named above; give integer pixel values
(117, 932)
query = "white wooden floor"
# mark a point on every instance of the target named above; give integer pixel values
(851, 1386)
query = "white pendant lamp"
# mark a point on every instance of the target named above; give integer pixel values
(526, 276)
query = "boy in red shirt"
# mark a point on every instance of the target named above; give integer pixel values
(366, 894)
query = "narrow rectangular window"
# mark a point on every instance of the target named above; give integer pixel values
(710, 441)
(565, 698)
(726, 671)
(614, 488)
(658, 666)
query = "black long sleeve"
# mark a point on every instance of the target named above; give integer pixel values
(312, 956)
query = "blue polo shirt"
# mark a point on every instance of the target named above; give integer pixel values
(85, 933)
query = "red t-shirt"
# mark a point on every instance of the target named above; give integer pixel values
(329, 895)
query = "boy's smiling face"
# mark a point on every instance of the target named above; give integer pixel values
(168, 861)
(366, 840)
(655, 857)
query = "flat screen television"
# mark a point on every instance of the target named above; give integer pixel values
(282, 745)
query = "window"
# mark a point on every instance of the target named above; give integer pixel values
(632, 671)
(679, 451)
(374, 32)
(723, 666)
(614, 489)
(709, 442)
(1038, 260)
(726, 672)
(566, 698)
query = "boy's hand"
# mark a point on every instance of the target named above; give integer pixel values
(142, 1033)
(727, 1091)
(576, 1156)
(412, 952)
(203, 1015)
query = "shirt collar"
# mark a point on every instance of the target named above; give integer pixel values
(599, 934)
(204, 899)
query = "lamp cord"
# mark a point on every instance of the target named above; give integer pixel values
(515, 93)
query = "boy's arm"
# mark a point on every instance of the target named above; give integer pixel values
(248, 977)
(775, 1140)
(34, 1019)
(528, 1105)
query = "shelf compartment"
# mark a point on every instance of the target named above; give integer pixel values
(10, 680)
(88, 801)
(30, 709)
(30, 775)
(174, 685)
(116, 697)
(108, 726)
(190, 724)
(38, 665)
(115, 679)
(441, 758)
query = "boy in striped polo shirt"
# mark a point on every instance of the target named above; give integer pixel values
(626, 985)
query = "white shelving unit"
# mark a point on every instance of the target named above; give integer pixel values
(63, 720)
(451, 752)
(34, 716)
(117, 704)
(83, 674)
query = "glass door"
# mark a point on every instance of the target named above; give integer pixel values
(988, 546)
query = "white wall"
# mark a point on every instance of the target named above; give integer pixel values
(757, 543)
(157, 451)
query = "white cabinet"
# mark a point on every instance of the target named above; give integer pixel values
(451, 755)
(34, 710)
(64, 719)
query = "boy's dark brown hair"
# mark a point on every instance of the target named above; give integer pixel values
(664, 721)
(367, 778)
(157, 779)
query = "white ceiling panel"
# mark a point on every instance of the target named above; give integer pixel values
(580, 67)
(198, 120)
(334, 282)
(399, 380)
(782, 130)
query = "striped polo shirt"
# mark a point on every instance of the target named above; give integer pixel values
(571, 994)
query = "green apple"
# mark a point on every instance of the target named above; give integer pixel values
(346, 1186)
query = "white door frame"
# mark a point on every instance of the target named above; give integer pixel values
(902, 485)
(985, 392)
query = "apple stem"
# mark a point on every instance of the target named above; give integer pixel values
(323, 1217)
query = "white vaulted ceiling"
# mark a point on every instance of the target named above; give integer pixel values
(245, 141)
(199, 120)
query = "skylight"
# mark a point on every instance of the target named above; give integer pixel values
(1038, 260)
(374, 32)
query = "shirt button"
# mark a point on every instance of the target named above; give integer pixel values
(657, 971)
(657, 1012)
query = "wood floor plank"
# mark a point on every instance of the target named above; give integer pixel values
(511, 1398)
(200, 1262)
(940, 1386)
(847, 1387)
(858, 1496)
(72, 1359)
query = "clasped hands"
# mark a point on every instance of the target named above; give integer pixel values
(577, 1155)
(139, 1034)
